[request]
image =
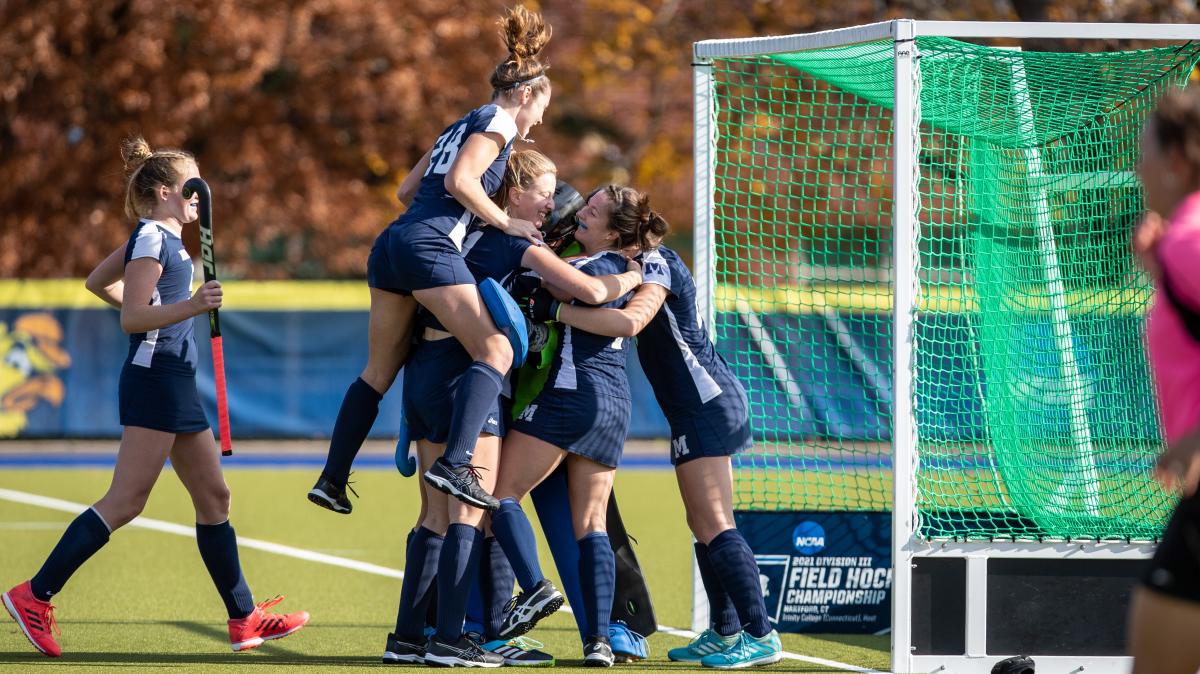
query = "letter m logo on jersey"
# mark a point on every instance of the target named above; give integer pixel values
(527, 413)
(679, 446)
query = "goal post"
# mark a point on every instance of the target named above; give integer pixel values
(912, 247)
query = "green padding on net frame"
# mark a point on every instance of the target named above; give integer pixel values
(811, 299)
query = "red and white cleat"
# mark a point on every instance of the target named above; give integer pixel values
(36, 618)
(261, 625)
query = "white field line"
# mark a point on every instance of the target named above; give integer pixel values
(25, 498)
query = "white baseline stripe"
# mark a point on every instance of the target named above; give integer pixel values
(190, 532)
(50, 503)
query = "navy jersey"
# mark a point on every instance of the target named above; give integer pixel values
(432, 204)
(172, 348)
(680, 361)
(587, 356)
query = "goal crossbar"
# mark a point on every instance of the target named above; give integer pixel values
(908, 28)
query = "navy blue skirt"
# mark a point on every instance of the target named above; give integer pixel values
(580, 422)
(720, 427)
(415, 256)
(160, 401)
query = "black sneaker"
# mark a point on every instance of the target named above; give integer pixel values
(527, 608)
(403, 651)
(462, 483)
(464, 653)
(597, 653)
(330, 496)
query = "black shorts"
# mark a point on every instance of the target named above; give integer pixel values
(1175, 567)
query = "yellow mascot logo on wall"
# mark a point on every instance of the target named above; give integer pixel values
(31, 354)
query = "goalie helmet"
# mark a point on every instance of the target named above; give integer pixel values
(559, 229)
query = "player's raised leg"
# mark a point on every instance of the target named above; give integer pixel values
(389, 335)
(460, 309)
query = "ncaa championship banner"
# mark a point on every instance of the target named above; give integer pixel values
(823, 572)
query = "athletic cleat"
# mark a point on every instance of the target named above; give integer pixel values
(330, 496)
(35, 618)
(706, 643)
(527, 608)
(403, 651)
(747, 652)
(260, 625)
(597, 653)
(520, 652)
(462, 483)
(464, 653)
(627, 645)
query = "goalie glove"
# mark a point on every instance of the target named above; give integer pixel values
(540, 306)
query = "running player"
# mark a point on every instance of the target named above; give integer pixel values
(430, 387)
(582, 417)
(418, 260)
(1165, 611)
(159, 407)
(709, 417)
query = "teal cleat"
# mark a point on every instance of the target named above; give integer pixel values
(747, 652)
(707, 642)
(520, 652)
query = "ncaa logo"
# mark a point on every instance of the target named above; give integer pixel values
(808, 538)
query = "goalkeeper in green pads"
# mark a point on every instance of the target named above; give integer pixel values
(632, 613)
(710, 422)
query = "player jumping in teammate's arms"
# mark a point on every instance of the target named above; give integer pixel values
(581, 417)
(431, 382)
(417, 260)
(707, 410)
(150, 280)
(1165, 611)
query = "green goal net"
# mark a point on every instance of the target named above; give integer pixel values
(1034, 411)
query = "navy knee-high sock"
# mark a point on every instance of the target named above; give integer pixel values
(496, 581)
(734, 563)
(458, 569)
(721, 614)
(420, 570)
(515, 534)
(553, 505)
(218, 549)
(598, 571)
(354, 421)
(86, 534)
(474, 397)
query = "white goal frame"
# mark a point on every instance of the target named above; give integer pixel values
(907, 546)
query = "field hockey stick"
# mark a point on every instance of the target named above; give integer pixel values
(198, 186)
(406, 463)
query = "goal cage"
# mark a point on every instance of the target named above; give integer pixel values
(913, 248)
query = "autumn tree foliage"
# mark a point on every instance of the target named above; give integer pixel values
(306, 114)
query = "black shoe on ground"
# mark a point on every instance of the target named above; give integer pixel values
(527, 608)
(597, 653)
(331, 496)
(464, 653)
(404, 651)
(462, 483)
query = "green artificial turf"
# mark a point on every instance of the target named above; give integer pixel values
(145, 602)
